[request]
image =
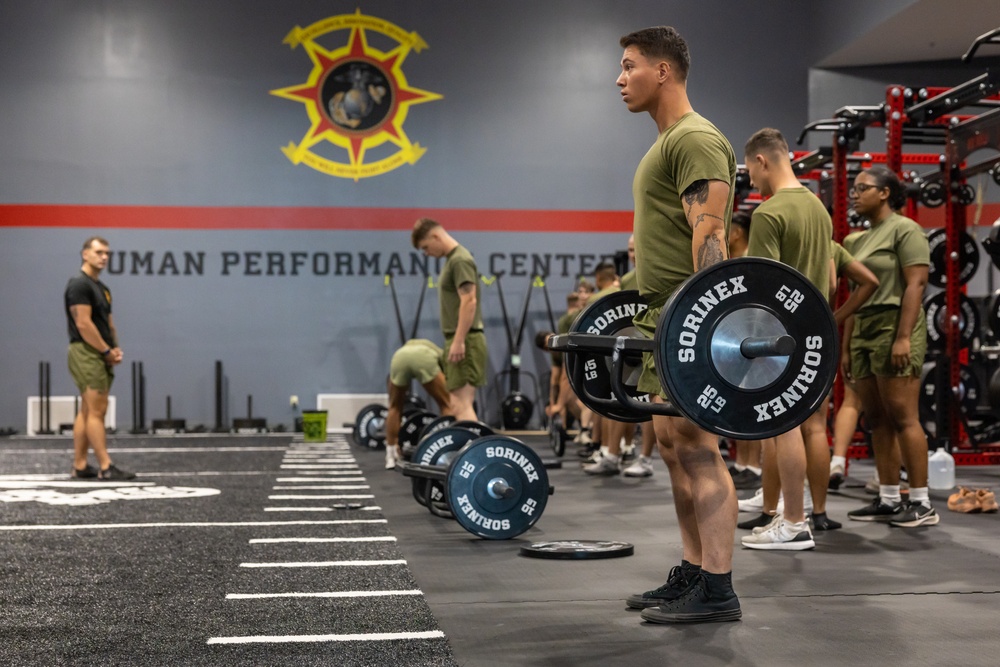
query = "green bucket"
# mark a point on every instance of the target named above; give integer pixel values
(314, 425)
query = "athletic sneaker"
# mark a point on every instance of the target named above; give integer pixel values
(758, 521)
(781, 535)
(987, 501)
(603, 466)
(114, 473)
(836, 477)
(754, 503)
(698, 604)
(877, 510)
(746, 479)
(390, 458)
(88, 472)
(820, 521)
(916, 514)
(681, 577)
(641, 467)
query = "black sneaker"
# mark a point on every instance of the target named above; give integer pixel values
(678, 581)
(746, 479)
(821, 521)
(756, 522)
(916, 514)
(877, 511)
(113, 472)
(88, 472)
(696, 605)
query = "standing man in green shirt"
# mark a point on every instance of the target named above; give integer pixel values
(465, 353)
(683, 192)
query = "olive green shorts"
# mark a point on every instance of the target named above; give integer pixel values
(88, 369)
(414, 362)
(472, 369)
(649, 381)
(871, 345)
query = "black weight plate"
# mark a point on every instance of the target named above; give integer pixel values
(932, 194)
(578, 550)
(473, 484)
(698, 354)
(968, 258)
(437, 425)
(416, 402)
(437, 449)
(995, 391)
(557, 435)
(479, 428)
(610, 315)
(994, 315)
(369, 426)
(968, 395)
(937, 321)
(412, 426)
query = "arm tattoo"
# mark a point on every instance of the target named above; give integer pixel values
(696, 193)
(710, 252)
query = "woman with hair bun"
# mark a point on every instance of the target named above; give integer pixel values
(885, 352)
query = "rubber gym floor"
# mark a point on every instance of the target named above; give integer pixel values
(249, 550)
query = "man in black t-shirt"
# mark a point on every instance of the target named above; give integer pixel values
(93, 353)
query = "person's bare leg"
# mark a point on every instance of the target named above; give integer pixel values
(438, 390)
(80, 443)
(680, 486)
(462, 400)
(900, 396)
(888, 458)
(791, 454)
(817, 445)
(95, 403)
(770, 476)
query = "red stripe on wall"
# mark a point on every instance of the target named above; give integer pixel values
(299, 218)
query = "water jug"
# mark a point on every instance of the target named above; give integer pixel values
(941, 470)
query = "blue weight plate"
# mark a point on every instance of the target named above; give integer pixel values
(369, 426)
(412, 426)
(437, 449)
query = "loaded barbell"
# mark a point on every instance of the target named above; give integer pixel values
(746, 348)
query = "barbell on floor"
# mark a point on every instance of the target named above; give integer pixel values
(746, 348)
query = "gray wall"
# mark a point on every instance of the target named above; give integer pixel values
(157, 104)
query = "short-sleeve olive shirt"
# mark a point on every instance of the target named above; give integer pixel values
(459, 268)
(628, 281)
(793, 227)
(887, 248)
(610, 289)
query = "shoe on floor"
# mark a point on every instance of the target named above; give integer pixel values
(964, 501)
(697, 605)
(114, 473)
(391, 457)
(820, 521)
(781, 535)
(755, 503)
(837, 476)
(88, 472)
(641, 467)
(987, 501)
(916, 514)
(877, 510)
(757, 522)
(605, 465)
(681, 577)
(746, 479)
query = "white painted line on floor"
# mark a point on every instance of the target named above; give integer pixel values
(318, 487)
(205, 473)
(336, 459)
(285, 639)
(310, 479)
(91, 484)
(313, 497)
(338, 594)
(328, 563)
(153, 450)
(341, 472)
(316, 466)
(193, 524)
(318, 509)
(314, 540)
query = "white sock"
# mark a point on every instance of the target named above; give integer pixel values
(920, 495)
(739, 468)
(838, 461)
(890, 494)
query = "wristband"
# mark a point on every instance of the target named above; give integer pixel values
(106, 352)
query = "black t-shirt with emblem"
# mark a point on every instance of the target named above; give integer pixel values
(82, 290)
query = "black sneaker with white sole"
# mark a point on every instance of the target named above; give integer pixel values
(87, 472)
(681, 578)
(877, 510)
(916, 514)
(114, 473)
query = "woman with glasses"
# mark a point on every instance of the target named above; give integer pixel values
(887, 347)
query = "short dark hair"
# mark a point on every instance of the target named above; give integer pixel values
(663, 42)
(90, 241)
(742, 220)
(887, 178)
(605, 271)
(421, 228)
(767, 141)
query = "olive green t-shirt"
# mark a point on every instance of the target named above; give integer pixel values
(841, 257)
(610, 289)
(690, 150)
(628, 281)
(460, 268)
(562, 327)
(887, 248)
(793, 227)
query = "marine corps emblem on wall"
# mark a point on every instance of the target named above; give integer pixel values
(356, 97)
